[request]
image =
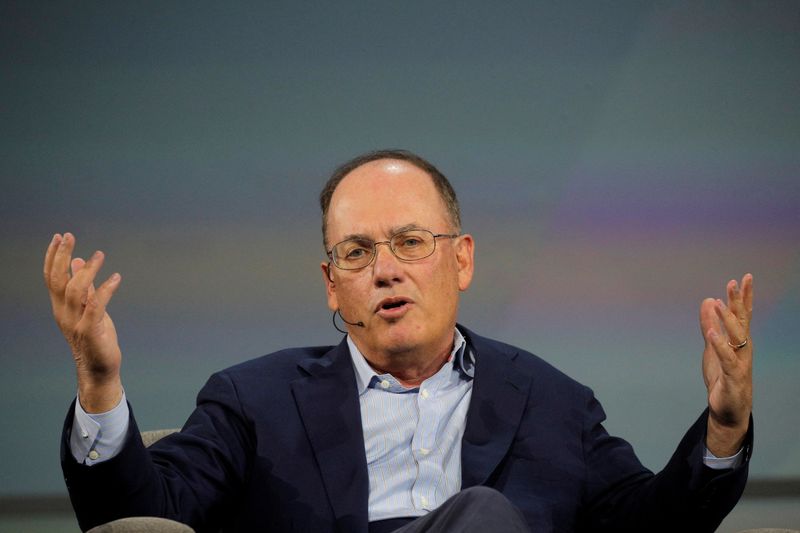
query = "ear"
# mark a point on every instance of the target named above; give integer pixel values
(465, 256)
(330, 286)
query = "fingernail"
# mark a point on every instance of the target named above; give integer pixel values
(720, 304)
(115, 277)
(54, 239)
(713, 334)
(96, 255)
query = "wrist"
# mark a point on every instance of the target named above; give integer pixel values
(99, 395)
(725, 440)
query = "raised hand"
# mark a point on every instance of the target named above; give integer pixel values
(728, 366)
(80, 312)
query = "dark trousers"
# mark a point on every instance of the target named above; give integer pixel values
(473, 510)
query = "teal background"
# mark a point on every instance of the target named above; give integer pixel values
(616, 163)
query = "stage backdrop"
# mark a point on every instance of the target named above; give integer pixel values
(616, 163)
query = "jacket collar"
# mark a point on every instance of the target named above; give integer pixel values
(499, 396)
(328, 404)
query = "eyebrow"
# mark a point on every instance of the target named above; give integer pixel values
(392, 231)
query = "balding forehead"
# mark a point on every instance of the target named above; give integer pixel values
(384, 164)
(376, 197)
(387, 166)
(387, 172)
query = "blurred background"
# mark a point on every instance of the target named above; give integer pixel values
(616, 163)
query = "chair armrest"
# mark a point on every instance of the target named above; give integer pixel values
(142, 524)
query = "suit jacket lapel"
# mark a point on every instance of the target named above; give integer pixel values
(327, 400)
(499, 396)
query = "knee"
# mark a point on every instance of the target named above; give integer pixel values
(486, 496)
(490, 510)
(483, 492)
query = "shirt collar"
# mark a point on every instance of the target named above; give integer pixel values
(463, 360)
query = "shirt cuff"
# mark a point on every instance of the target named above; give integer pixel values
(722, 463)
(97, 437)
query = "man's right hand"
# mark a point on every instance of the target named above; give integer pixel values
(80, 312)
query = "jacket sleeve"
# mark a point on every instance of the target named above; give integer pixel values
(192, 476)
(685, 496)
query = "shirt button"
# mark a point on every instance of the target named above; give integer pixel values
(93, 455)
(425, 393)
(85, 434)
(424, 451)
(385, 384)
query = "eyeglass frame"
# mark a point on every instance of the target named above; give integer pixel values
(388, 243)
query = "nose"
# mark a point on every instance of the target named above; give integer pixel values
(386, 268)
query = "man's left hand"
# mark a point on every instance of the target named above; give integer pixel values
(728, 366)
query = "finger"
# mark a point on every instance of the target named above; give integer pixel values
(736, 333)
(734, 297)
(49, 256)
(78, 287)
(89, 294)
(725, 355)
(76, 265)
(708, 318)
(98, 299)
(59, 271)
(736, 302)
(747, 299)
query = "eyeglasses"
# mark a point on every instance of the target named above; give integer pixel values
(411, 245)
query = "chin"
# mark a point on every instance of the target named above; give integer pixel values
(399, 346)
(400, 340)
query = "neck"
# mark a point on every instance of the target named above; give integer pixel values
(411, 367)
(409, 374)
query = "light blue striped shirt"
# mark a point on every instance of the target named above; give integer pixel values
(412, 437)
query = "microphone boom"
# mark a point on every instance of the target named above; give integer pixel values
(359, 323)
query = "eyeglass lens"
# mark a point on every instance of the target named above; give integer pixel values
(408, 246)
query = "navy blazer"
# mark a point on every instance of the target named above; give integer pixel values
(275, 444)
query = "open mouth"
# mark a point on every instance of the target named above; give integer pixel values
(392, 304)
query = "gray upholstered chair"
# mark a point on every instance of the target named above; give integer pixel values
(769, 530)
(142, 524)
(149, 437)
(145, 524)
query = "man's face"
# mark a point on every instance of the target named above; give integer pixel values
(406, 307)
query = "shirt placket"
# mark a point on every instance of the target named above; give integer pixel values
(424, 443)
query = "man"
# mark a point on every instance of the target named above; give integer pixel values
(406, 412)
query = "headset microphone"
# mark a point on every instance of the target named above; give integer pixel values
(359, 323)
